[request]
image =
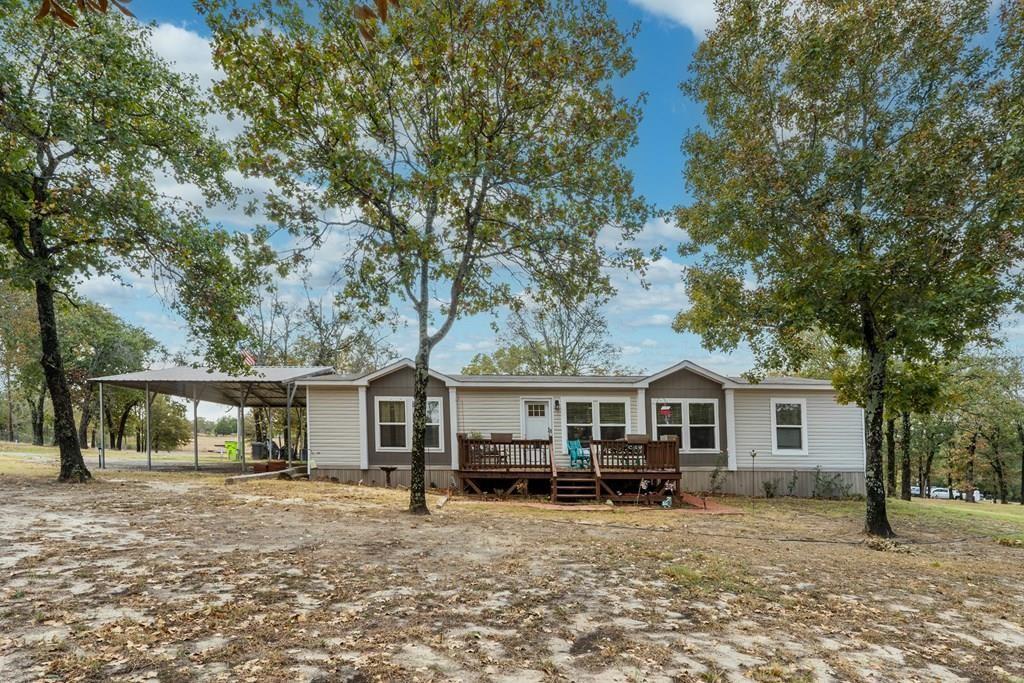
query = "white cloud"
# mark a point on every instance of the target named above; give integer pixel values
(187, 51)
(649, 343)
(654, 320)
(484, 345)
(630, 350)
(696, 15)
(666, 290)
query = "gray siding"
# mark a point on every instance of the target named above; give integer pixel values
(400, 383)
(333, 415)
(688, 384)
(835, 439)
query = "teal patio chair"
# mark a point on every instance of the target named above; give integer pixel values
(579, 457)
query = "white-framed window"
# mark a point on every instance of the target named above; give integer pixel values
(393, 416)
(611, 417)
(789, 426)
(692, 421)
(587, 419)
(579, 421)
(392, 424)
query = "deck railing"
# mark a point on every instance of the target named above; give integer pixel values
(617, 456)
(517, 454)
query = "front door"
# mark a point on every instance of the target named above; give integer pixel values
(538, 420)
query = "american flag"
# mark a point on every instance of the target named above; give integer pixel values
(248, 357)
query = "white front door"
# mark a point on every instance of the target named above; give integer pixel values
(538, 420)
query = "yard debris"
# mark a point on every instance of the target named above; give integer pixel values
(177, 577)
(886, 545)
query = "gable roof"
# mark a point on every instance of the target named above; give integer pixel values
(569, 381)
(361, 379)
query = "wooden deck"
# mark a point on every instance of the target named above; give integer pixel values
(514, 462)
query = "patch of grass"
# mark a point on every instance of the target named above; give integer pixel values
(714, 674)
(683, 574)
(1011, 541)
(779, 673)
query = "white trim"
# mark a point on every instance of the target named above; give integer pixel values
(399, 365)
(453, 425)
(550, 401)
(364, 445)
(730, 427)
(641, 414)
(684, 446)
(864, 436)
(309, 451)
(408, 400)
(802, 402)
(692, 367)
(595, 417)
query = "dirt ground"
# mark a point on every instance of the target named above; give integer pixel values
(174, 577)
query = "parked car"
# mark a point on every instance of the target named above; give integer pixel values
(915, 490)
(940, 492)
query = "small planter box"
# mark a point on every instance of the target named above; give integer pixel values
(259, 466)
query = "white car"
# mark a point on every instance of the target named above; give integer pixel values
(939, 492)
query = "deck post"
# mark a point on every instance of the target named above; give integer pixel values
(149, 430)
(195, 430)
(100, 454)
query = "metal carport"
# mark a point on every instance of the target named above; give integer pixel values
(263, 387)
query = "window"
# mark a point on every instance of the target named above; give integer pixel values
(613, 420)
(669, 421)
(693, 423)
(789, 427)
(588, 420)
(703, 430)
(536, 409)
(391, 424)
(394, 424)
(579, 421)
(432, 439)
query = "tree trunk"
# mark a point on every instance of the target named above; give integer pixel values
(890, 456)
(905, 463)
(122, 423)
(876, 522)
(10, 406)
(926, 488)
(86, 417)
(1020, 438)
(417, 474)
(72, 464)
(972, 448)
(36, 413)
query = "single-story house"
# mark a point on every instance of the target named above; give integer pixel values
(684, 425)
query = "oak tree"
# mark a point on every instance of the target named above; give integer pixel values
(96, 132)
(467, 152)
(859, 174)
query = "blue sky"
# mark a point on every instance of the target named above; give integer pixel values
(640, 320)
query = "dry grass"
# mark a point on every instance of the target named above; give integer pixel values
(177, 577)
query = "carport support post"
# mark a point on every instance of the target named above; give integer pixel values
(288, 423)
(195, 430)
(241, 433)
(149, 430)
(101, 453)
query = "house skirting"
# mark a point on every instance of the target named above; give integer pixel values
(739, 483)
(745, 483)
(437, 477)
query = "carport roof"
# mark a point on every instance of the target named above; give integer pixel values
(262, 387)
